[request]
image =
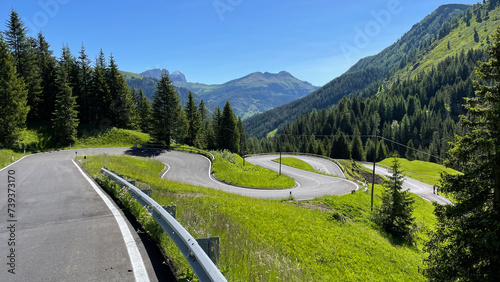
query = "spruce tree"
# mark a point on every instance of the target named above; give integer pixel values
(410, 151)
(166, 110)
(395, 214)
(215, 142)
(13, 98)
(83, 91)
(65, 117)
(243, 137)
(145, 113)
(466, 244)
(100, 112)
(24, 54)
(357, 152)
(194, 122)
(229, 135)
(123, 111)
(48, 68)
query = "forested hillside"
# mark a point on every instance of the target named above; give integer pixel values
(367, 73)
(417, 103)
(45, 99)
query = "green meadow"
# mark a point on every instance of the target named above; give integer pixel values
(328, 239)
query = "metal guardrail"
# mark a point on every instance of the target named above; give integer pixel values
(303, 154)
(180, 148)
(201, 264)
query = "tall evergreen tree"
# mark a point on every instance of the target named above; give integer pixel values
(466, 244)
(24, 54)
(86, 99)
(123, 109)
(395, 214)
(243, 137)
(65, 117)
(13, 98)
(229, 135)
(194, 122)
(216, 141)
(100, 112)
(145, 113)
(357, 151)
(48, 68)
(410, 151)
(166, 110)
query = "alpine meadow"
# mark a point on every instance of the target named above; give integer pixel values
(388, 172)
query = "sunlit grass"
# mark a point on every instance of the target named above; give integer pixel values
(296, 163)
(426, 172)
(328, 239)
(229, 168)
(7, 157)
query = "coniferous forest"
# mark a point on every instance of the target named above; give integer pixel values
(61, 94)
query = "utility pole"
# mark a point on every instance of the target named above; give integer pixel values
(373, 175)
(280, 159)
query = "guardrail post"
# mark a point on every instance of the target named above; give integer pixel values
(171, 210)
(211, 247)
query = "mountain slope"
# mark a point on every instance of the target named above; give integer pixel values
(254, 93)
(248, 95)
(364, 78)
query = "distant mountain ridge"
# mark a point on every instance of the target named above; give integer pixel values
(364, 78)
(249, 95)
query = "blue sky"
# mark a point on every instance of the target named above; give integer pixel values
(214, 41)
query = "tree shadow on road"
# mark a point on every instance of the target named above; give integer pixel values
(145, 152)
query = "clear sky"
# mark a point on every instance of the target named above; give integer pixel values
(214, 41)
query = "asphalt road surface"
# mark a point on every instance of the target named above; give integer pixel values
(60, 229)
(194, 169)
(423, 190)
(60, 226)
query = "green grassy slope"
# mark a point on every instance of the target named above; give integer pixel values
(329, 239)
(430, 173)
(230, 169)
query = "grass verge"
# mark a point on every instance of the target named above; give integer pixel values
(229, 168)
(6, 157)
(296, 163)
(328, 239)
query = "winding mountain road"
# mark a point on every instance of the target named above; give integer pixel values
(423, 190)
(195, 169)
(62, 227)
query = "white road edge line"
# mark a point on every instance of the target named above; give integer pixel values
(168, 168)
(138, 266)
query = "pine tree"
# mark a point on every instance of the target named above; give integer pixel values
(145, 113)
(466, 244)
(215, 143)
(65, 117)
(86, 99)
(13, 98)
(357, 152)
(24, 54)
(410, 151)
(194, 122)
(243, 137)
(229, 135)
(47, 65)
(395, 214)
(340, 147)
(123, 109)
(100, 112)
(166, 110)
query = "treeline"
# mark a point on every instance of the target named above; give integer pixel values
(420, 113)
(38, 88)
(193, 125)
